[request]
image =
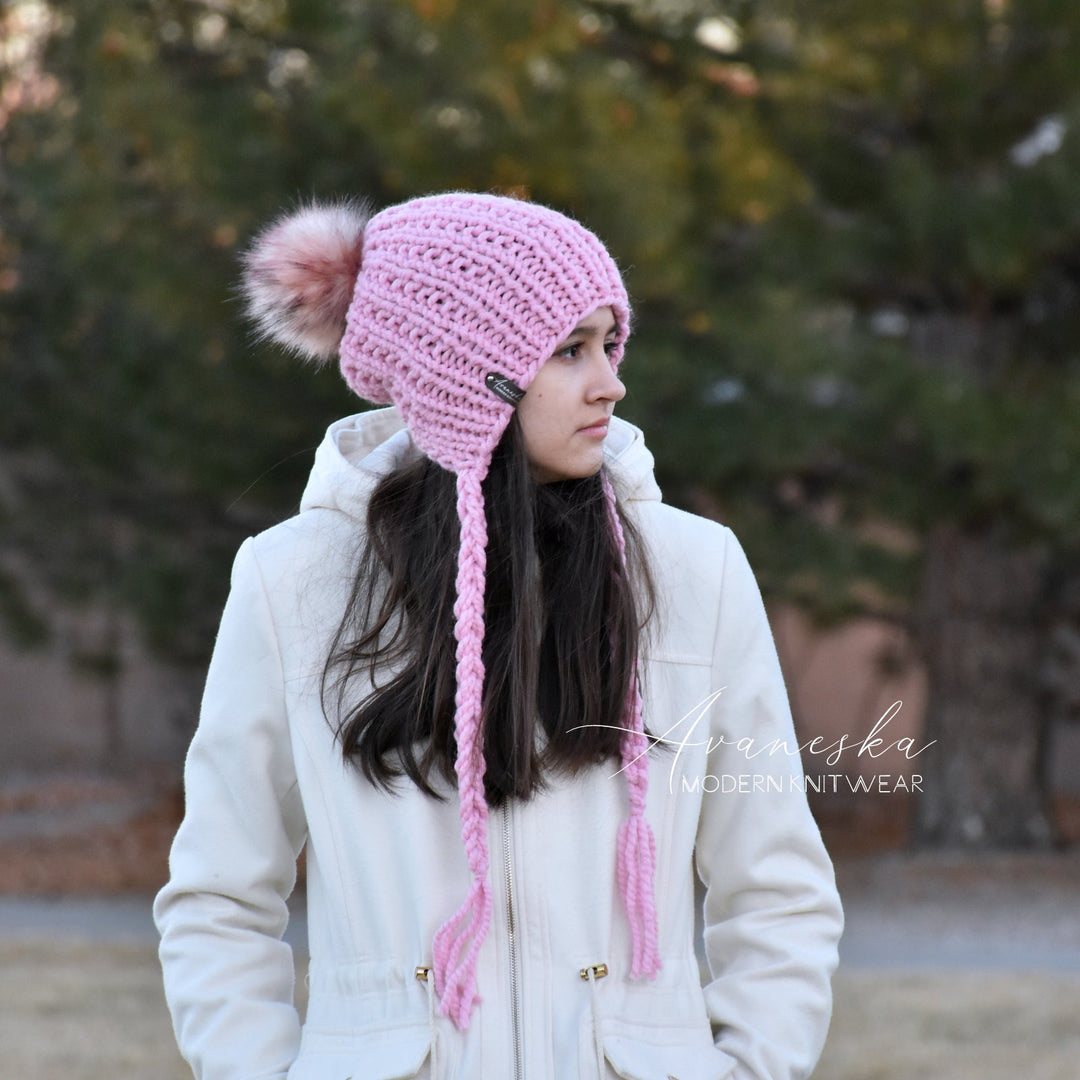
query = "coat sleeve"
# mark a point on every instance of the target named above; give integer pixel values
(772, 913)
(221, 916)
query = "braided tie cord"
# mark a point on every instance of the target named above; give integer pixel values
(636, 866)
(455, 975)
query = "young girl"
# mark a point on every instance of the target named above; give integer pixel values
(506, 699)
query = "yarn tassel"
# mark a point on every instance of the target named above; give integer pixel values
(636, 857)
(454, 965)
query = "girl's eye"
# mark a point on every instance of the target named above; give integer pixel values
(572, 351)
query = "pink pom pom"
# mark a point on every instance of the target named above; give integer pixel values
(299, 275)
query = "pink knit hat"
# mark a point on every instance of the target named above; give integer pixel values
(447, 306)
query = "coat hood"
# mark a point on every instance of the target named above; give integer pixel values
(359, 450)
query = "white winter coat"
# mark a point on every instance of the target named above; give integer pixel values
(264, 778)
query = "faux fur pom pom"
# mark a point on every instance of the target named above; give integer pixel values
(299, 275)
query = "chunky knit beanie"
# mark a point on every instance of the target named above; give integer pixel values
(447, 306)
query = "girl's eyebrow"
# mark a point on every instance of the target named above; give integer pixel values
(592, 331)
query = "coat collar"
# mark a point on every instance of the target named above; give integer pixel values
(357, 451)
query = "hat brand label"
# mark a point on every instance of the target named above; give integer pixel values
(503, 387)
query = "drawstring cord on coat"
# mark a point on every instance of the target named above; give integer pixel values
(423, 973)
(589, 973)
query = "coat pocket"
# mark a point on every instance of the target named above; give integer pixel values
(652, 1052)
(387, 1054)
(636, 1058)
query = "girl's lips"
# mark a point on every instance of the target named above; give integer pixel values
(596, 431)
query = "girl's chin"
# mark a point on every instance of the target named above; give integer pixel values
(546, 475)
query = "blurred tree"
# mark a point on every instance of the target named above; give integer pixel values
(851, 243)
(940, 144)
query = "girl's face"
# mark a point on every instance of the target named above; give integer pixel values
(565, 411)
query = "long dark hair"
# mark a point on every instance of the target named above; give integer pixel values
(563, 620)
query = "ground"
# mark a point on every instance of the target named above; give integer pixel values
(952, 967)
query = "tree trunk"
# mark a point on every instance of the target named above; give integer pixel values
(980, 626)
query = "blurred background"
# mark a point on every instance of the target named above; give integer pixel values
(851, 234)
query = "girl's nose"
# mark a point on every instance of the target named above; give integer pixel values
(607, 384)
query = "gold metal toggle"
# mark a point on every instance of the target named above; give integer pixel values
(422, 972)
(598, 971)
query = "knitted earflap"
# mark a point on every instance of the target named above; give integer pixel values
(447, 306)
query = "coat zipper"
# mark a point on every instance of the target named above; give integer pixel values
(515, 1001)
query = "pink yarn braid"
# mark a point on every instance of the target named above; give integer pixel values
(455, 976)
(636, 867)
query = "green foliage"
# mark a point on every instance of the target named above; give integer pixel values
(25, 627)
(849, 230)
